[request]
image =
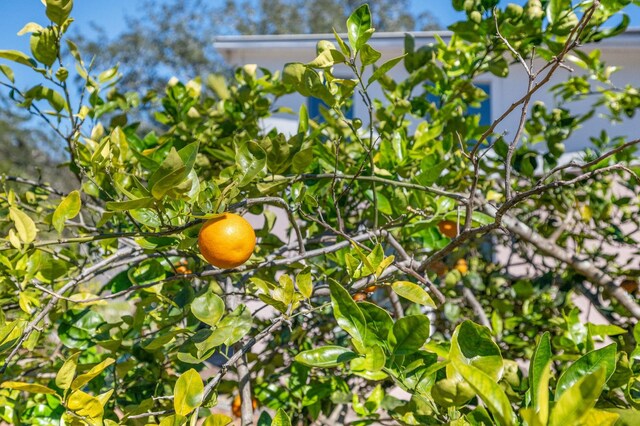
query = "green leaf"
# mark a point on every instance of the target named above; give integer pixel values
(409, 334)
(472, 344)
(305, 285)
(292, 73)
(603, 358)
(171, 172)
(303, 119)
(40, 92)
(19, 57)
(556, 9)
(188, 392)
(281, 419)
(78, 329)
(118, 206)
(68, 208)
(325, 356)
(28, 387)
(24, 225)
(578, 400)
(343, 46)
(488, 390)
(379, 323)
(217, 420)
(218, 84)
(372, 362)
(44, 46)
(346, 312)
(539, 361)
(174, 420)
(327, 58)
(65, 375)
(413, 292)
(85, 378)
(59, 10)
(208, 308)
(251, 162)
(301, 160)
(7, 71)
(359, 28)
(383, 69)
(369, 55)
(31, 27)
(538, 414)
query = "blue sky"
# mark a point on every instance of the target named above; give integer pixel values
(110, 14)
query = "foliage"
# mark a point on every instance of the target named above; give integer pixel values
(178, 35)
(111, 316)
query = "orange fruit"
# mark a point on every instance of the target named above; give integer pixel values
(439, 267)
(226, 241)
(461, 266)
(182, 270)
(448, 228)
(236, 405)
(629, 285)
(370, 289)
(359, 297)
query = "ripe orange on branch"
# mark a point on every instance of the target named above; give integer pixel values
(236, 405)
(226, 241)
(448, 228)
(462, 266)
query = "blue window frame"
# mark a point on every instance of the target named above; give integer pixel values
(485, 106)
(314, 105)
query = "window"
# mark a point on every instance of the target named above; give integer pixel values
(314, 105)
(485, 106)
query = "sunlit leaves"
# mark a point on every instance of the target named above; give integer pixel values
(25, 226)
(359, 27)
(603, 358)
(188, 392)
(67, 372)
(16, 56)
(413, 292)
(59, 10)
(68, 208)
(95, 371)
(208, 308)
(409, 334)
(325, 356)
(347, 313)
(27, 387)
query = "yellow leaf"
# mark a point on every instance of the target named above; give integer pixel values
(217, 420)
(187, 394)
(67, 372)
(87, 406)
(24, 225)
(83, 379)
(68, 208)
(28, 387)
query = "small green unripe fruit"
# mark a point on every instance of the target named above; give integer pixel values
(451, 393)
(476, 17)
(357, 123)
(452, 278)
(511, 373)
(469, 5)
(514, 10)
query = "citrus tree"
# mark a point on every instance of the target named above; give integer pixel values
(409, 266)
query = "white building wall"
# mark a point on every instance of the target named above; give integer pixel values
(273, 52)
